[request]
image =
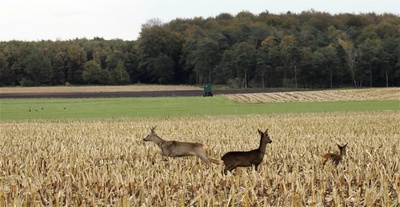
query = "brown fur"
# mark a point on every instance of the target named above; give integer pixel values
(236, 159)
(180, 149)
(335, 158)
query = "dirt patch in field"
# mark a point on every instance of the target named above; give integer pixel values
(119, 91)
(241, 96)
(97, 89)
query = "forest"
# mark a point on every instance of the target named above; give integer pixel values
(310, 49)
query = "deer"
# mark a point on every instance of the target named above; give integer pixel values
(335, 158)
(236, 159)
(180, 149)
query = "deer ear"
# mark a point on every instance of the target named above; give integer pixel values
(152, 129)
(266, 131)
(259, 131)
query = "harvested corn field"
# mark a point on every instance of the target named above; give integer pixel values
(319, 96)
(106, 162)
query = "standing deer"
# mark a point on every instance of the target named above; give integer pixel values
(335, 158)
(180, 149)
(236, 159)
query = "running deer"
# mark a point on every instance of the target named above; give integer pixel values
(335, 158)
(180, 149)
(236, 159)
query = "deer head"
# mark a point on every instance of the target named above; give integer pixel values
(265, 139)
(152, 135)
(342, 149)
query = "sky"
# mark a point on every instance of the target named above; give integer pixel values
(36, 20)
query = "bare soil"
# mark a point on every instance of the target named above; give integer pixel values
(119, 91)
(238, 95)
(119, 94)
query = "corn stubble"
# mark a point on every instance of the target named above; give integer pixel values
(100, 163)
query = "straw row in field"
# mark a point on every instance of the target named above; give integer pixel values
(319, 96)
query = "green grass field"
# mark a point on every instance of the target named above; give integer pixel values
(108, 108)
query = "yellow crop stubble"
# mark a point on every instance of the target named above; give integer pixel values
(106, 161)
(318, 96)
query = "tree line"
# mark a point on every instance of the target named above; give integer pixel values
(309, 50)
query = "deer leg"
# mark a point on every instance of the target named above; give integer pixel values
(336, 162)
(204, 159)
(200, 153)
(256, 167)
(225, 170)
(230, 168)
(163, 155)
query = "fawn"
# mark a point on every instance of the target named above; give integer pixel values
(335, 158)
